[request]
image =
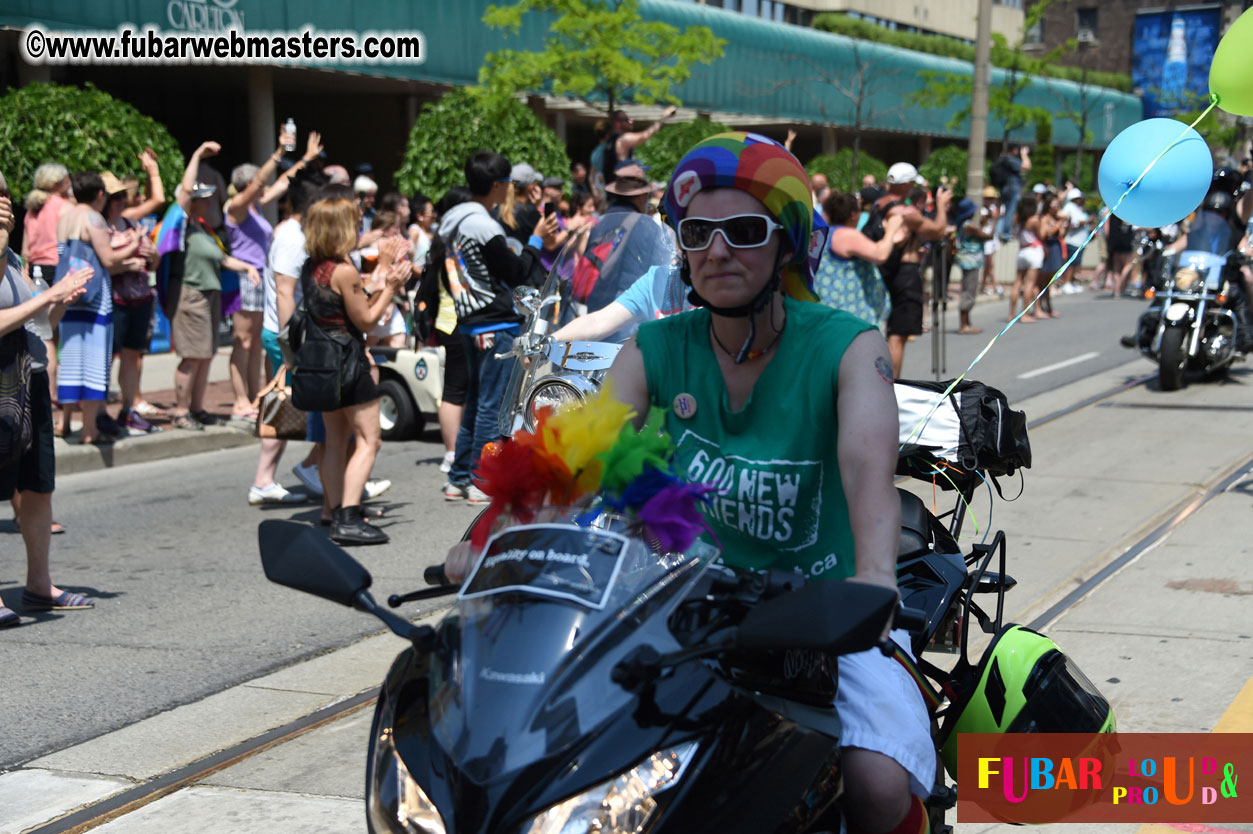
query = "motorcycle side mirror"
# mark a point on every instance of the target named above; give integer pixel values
(301, 557)
(836, 617)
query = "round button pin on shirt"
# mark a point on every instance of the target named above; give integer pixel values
(685, 406)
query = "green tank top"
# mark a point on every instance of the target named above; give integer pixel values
(780, 500)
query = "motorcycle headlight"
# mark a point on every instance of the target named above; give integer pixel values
(1187, 278)
(396, 804)
(552, 394)
(618, 806)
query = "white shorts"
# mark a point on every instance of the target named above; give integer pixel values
(991, 245)
(881, 709)
(1031, 257)
(389, 325)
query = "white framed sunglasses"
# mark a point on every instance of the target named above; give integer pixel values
(740, 231)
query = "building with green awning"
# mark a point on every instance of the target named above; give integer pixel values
(771, 77)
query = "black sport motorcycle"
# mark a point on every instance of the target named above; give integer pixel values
(584, 682)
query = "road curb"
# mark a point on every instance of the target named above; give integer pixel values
(73, 458)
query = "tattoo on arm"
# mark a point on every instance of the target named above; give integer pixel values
(95, 221)
(884, 367)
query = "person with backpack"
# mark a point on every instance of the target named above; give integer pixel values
(1006, 176)
(902, 271)
(486, 273)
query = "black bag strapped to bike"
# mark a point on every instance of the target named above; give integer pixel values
(973, 428)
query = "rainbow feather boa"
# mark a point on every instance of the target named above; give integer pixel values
(593, 451)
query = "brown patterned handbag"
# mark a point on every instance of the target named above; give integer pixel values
(276, 416)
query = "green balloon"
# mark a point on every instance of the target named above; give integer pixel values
(1231, 73)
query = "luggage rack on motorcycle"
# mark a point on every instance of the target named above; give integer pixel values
(938, 576)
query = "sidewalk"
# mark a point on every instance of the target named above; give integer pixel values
(157, 386)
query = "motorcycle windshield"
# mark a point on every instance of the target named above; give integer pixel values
(1190, 265)
(602, 261)
(551, 606)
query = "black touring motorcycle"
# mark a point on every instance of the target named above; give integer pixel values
(583, 681)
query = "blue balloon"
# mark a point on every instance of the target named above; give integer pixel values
(1172, 189)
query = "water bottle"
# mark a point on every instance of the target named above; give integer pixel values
(290, 127)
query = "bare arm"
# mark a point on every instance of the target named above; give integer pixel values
(630, 384)
(629, 141)
(851, 243)
(156, 191)
(362, 312)
(236, 265)
(595, 326)
(62, 292)
(867, 444)
(206, 150)
(285, 297)
(930, 228)
(114, 260)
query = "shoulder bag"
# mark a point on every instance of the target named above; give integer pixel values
(16, 429)
(277, 415)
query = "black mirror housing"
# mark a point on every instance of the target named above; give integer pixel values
(302, 557)
(836, 617)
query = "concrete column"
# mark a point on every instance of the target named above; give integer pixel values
(412, 108)
(924, 148)
(559, 125)
(262, 124)
(828, 139)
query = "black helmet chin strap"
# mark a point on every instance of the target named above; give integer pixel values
(759, 302)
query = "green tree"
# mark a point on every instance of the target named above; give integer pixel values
(842, 173)
(942, 89)
(662, 153)
(601, 51)
(84, 129)
(451, 130)
(949, 161)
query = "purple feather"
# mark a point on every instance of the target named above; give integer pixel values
(673, 515)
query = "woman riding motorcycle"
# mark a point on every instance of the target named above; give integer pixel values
(754, 384)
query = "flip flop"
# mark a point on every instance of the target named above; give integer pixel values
(8, 617)
(66, 602)
(57, 527)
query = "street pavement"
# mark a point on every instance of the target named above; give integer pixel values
(191, 651)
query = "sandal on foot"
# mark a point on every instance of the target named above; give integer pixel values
(56, 528)
(8, 617)
(66, 602)
(205, 418)
(101, 439)
(186, 421)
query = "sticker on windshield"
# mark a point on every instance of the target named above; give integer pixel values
(550, 560)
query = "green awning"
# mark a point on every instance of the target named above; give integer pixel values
(768, 71)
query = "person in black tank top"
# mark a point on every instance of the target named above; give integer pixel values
(336, 300)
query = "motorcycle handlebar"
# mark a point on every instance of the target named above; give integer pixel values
(910, 619)
(434, 575)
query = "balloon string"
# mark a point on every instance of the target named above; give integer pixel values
(1106, 212)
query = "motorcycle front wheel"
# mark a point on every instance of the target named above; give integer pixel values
(1172, 359)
